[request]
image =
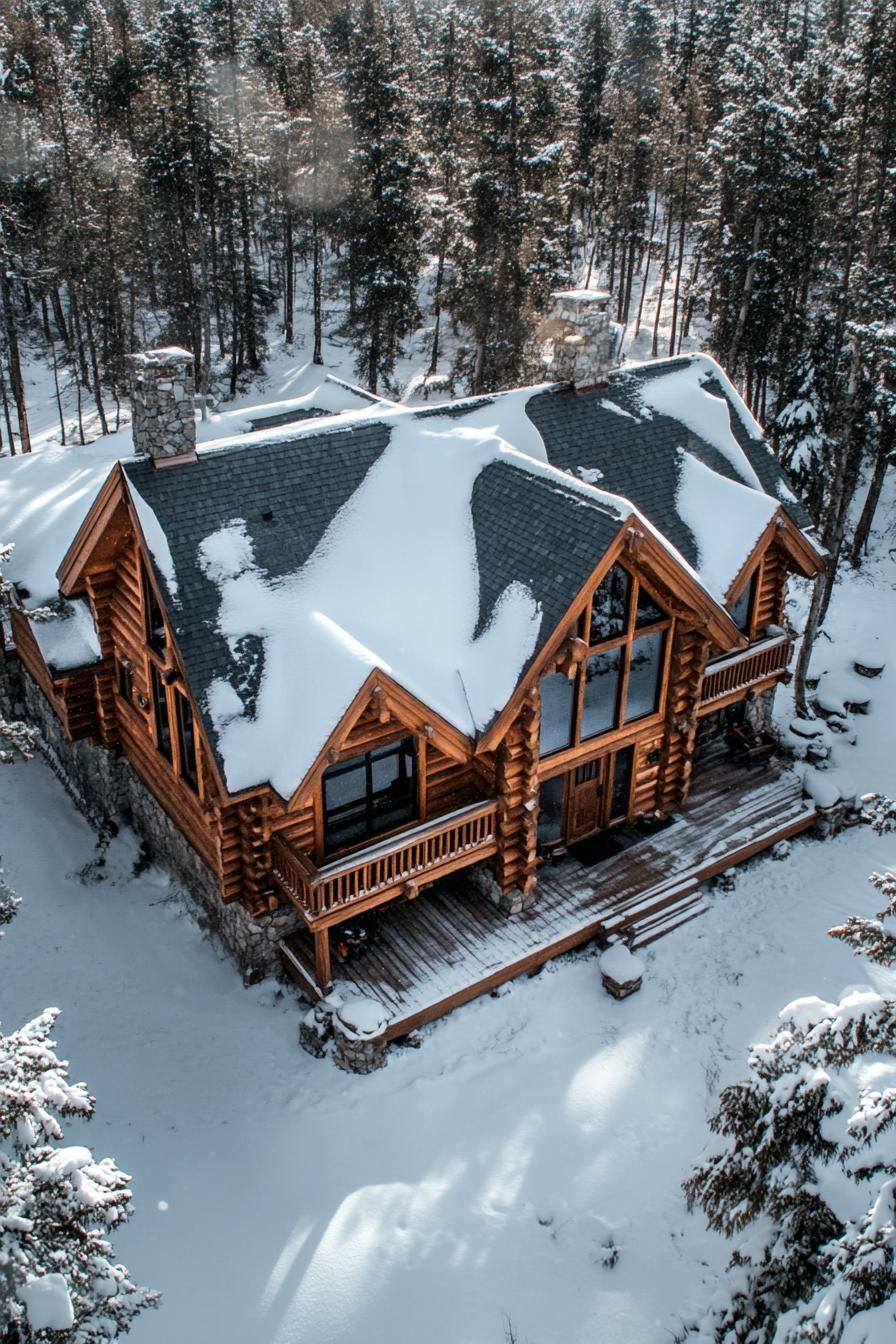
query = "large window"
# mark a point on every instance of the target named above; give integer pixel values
(155, 621)
(370, 794)
(621, 678)
(557, 710)
(741, 611)
(160, 712)
(186, 740)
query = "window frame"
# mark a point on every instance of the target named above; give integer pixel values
(626, 641)
(394, 744)
(750, 590)
(189, 775)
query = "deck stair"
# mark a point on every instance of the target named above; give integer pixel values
(450, 944)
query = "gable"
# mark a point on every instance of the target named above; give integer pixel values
(297, 570)
(674, 438)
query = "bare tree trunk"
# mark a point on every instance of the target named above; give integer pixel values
(872, 499)
(437, 310)
(646, 276)
(664, 273)
(14, 360)
(6, 414)
(289, 279)
(316, 288)
(58, 394)
(746, 296)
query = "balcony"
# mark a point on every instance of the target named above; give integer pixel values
(760, 662)
(396, 866)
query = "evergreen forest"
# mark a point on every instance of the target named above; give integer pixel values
(197, 172)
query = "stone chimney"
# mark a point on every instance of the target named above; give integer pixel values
(582, 341)
(164, 425)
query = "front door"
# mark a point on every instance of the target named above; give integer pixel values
(599, 794)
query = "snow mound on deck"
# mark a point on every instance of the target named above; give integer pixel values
(394, 585)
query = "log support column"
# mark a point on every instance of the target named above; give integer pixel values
(517, 790)
(322, 967)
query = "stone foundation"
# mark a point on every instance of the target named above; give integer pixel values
(758, 711)
(352, 1030)
(512, 902)
(103, 785)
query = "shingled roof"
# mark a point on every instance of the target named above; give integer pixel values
(443, 545)
(288, 506)
(615, 436)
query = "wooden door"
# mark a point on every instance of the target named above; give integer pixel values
(586, 795)
(599, 794)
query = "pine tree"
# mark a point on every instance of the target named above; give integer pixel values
(58, 1277)
(383, 219)
(516, 249)
(814, 1259)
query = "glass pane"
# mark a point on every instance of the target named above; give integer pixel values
(550, 815)
(346, 785)
(648, 612)
(384, 771)
(622, 781)
(609, 606)
(160, 707)
(741, 610)
(601, 693)
(644, 677)
(557, 699)
(394, 796)
(186, 740)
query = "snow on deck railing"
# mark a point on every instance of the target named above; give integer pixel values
(448, 842)
(739, 670)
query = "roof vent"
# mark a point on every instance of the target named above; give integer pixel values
(164, 426)
(267, 515)
(580, 338)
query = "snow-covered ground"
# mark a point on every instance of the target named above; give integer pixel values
(467, 1192)
(472, 1191)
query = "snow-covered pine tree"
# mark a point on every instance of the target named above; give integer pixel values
(515, 251)
(16, 737)
(383, 218)
(754, 206)
(58, 1276)
(58, 1279)
(445, 107)
(808, 1169)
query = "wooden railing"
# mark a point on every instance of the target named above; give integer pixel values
(741, 670)
(427, 851)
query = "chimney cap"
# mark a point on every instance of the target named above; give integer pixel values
(166, 354)
(581, 297)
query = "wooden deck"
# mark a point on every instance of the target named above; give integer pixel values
(450, 944)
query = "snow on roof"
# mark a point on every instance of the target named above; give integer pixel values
(725, 518)
(69, 639)
(317, 394)
(394, 584)
(419, 542)
(44, 498)
(682, 395)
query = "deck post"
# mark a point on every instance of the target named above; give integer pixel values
(322, 972)
(517, 790)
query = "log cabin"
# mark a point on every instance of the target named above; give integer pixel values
(354, 654)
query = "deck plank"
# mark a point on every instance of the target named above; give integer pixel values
(450, 944)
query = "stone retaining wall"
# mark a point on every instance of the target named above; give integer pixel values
(103, 785)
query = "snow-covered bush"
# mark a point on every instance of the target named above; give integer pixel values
(58, 1277)
(57, 1205)
(806, 1178)
(16, 738)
